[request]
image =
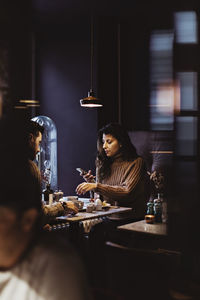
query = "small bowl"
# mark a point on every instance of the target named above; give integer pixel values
(150, 219)
(106, 207)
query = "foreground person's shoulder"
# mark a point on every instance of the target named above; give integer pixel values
(54, 242)
(62, 268)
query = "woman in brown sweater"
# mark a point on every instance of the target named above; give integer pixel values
(120, 173)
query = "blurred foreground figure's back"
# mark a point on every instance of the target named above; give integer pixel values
(33, 264)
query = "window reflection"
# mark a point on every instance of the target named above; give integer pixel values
(162, 108)
(186, 136)
(188, 90)
(161, 46)
(186, 27)
(162, 90)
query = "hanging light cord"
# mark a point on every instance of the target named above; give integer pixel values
(119, 73)
(91, 100)
(92, 53)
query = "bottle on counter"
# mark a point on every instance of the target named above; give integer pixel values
(48, 195)
(158, 209)
(150, 208)
(98, 202)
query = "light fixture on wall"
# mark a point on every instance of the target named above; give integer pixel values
(91, 100)
(30, 103)
(25, 104)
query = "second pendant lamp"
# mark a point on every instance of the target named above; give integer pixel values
(91, 100)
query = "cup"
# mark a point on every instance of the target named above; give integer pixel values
(90, 207)
(56, 196)
(78, 203)
(150, 219)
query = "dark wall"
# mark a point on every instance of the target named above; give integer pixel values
(15, 51)
(63, 78)
(123, 71)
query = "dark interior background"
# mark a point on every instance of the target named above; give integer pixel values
(48, 59)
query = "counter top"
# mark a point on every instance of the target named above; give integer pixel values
(142, 227)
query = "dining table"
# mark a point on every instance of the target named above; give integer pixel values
(83, 219)
(83, 215)
(87, 220)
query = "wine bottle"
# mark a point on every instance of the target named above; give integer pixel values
(48, 195)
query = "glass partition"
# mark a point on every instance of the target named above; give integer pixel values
(47, 158)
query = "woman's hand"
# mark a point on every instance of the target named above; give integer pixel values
(85, 187)
(89, 177)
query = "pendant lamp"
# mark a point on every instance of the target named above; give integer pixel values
(91, 100)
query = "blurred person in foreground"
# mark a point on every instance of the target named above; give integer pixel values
(34, 134)
(121, 175)
(33, 264)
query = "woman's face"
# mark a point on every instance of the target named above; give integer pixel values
(111, 145)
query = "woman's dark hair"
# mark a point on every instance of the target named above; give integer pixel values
(128, 151)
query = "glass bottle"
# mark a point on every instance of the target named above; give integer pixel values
(48, 195)
(150, 210)
(98, 202)
(158, 209)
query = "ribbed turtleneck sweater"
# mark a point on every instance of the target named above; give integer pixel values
(126, 184)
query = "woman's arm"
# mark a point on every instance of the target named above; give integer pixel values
(122, 191)
(116, 191)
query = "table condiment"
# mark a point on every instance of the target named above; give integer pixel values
(150, 207)
(158, 210)
(48, 195)
(98, 204)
